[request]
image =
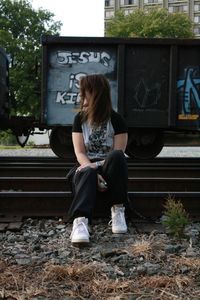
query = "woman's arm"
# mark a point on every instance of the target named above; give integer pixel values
(80, 152)
(120, 141)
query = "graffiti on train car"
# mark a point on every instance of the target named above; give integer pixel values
(147, 96)
(189, 93)
(71, 96)
(70, 57)
(66, 67)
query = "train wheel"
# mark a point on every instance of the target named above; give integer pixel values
(61, 142)
(144, 144)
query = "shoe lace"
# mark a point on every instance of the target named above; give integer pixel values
(75, 227)
(118, 217)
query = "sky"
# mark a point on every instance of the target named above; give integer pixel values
(79, 17)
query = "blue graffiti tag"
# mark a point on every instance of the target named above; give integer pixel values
(189, 89)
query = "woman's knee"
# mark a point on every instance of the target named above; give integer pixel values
(116, 155)
(87, 172)
(85, 175)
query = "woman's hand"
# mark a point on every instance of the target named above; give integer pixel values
(102, 185)
(90, 165)
(86, 165)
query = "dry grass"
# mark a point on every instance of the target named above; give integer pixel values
(81, 281)
(19, 282)
(190, 262)
(78, 271)
(144, 246)
(165, 282)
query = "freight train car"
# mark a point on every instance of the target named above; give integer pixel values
(155, 85)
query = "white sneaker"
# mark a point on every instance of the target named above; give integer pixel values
(80, 233)
(118, 219)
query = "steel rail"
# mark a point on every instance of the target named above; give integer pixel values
(142, 184)
(38, 187)
(56, 204)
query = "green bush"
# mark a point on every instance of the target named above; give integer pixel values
(175, 218)
(7, 138)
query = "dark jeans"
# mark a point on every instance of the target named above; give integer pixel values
(115, 173)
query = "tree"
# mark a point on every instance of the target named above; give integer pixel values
(20, 30)
(156, 23)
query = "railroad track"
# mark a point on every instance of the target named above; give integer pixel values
(37, 187)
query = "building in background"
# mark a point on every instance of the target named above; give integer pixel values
(190, 7)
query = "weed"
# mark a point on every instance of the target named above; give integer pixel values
(175, 218)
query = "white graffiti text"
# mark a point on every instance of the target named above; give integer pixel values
(69, 58)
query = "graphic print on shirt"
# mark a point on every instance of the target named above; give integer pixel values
(97, 140)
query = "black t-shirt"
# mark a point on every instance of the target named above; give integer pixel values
(99, 140)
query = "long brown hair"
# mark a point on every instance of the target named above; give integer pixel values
(99, 105)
